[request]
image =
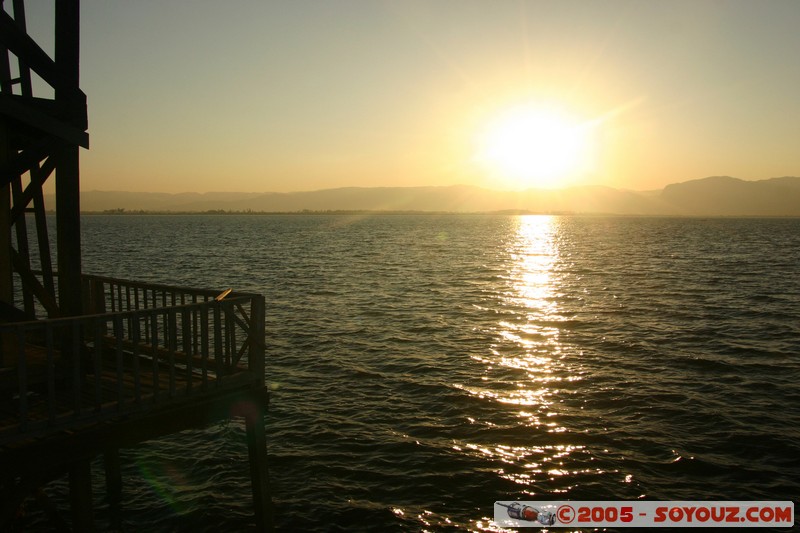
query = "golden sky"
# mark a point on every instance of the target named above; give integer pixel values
(255, 95)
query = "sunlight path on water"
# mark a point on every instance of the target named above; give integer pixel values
(530, 369)
(529, 332)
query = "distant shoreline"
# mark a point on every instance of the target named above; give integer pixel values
(334, 212)
(221, 212)
(713, 196)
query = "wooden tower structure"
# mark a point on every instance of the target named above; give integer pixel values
(90, 364)
(40, 138)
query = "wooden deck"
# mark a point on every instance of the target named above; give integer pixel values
(103, 396)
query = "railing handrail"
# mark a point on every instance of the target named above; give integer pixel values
(160, 286)
(134, 313)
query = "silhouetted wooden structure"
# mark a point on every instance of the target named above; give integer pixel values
(89, 364)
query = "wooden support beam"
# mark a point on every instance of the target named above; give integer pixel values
(6, 271)
(259, 475)
(23, 249)
(6, 276)
(68, 204)
(43, 239)
(22, 45)
(80, 495)
(256, 357)
(34, 188)
(113, 468)
(68, 56)
(18, 164)
(17, 109)
(33, 285)
(68, 228)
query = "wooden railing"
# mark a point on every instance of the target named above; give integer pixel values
(141, 346)
(242, 323)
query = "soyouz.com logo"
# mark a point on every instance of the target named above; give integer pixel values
(644, 514)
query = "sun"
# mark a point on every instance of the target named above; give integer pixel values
(534, 147)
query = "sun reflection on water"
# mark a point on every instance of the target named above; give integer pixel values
(533, 255)
(528, 339)
(523, 363)
(527, 430)
(526, 366)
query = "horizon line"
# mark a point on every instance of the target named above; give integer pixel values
(451, 186)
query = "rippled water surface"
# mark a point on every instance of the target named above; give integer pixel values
(423, 367)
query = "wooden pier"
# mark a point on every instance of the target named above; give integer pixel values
(154, 360)
(90, 364)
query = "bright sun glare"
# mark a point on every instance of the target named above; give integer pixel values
(534, 147)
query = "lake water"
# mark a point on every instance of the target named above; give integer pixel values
(423, 367)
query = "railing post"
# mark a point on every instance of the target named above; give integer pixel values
(98, 296)
(171, 344)
(256, 356)
(216, 308)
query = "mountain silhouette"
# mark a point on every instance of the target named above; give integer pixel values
(727, 196)
(712, 196)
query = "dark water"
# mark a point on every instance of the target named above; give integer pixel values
(423, 367)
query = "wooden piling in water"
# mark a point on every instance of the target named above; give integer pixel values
(80, 494)
(113, 470)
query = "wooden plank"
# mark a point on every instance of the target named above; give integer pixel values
(34, 189)
(206, 294)
(16, 108)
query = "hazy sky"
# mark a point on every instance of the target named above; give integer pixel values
(295, 95)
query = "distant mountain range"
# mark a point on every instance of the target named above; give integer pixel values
(713, 196)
